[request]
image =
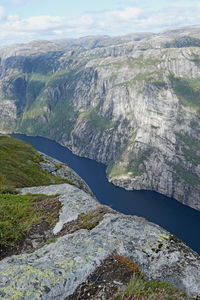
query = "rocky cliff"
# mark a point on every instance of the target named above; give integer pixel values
(57, 269)
(130, 102)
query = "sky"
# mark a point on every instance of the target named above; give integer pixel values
(25, 20)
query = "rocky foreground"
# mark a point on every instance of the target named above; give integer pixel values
(55, 270)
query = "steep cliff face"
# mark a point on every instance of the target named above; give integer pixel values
(131, 103)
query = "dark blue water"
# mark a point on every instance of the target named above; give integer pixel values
(177, 218)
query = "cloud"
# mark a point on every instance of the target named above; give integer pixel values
(110, 22)
(126, 14)
(2, 13)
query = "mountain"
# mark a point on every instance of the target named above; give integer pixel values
(132, 103)
(68, 246)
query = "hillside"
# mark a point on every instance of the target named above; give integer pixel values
(19, 166)
(129, 102)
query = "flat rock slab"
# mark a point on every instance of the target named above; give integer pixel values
(74, 200)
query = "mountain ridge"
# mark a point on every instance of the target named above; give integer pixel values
(133, 106)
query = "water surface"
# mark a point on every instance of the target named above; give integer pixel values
(175, 217)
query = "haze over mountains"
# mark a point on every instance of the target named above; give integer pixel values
(131, 102)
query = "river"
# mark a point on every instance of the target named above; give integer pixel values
(175, 217)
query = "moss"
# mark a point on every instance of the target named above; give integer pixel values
(86, 221)
(19, 213)
(19, 165)
(60, 165)
(132, 267)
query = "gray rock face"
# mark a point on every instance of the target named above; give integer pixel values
(55, 270)
(130, 102)
(55, 167)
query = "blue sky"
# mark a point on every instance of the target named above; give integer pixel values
(25, 20)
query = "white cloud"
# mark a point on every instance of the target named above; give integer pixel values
(112, 22)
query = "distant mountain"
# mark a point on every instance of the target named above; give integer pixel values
(131, 102)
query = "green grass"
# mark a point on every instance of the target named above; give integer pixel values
(19, 165)
(139, 288)
(15, 221)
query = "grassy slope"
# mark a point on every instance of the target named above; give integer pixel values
(19, 213)
(19, 165)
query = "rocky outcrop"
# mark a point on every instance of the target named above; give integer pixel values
(74, 200)
(55, 167)
(130, 102)
(55, 270)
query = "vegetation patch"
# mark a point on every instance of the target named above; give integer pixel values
(138, 288)
(135, 166)
(154, 78)
(187, 175)
(160, 84)
(134, 63)
(190, 148)
(86, 221)
(187, 91)
(26, 220)
(56, 121)
(116, 170)
(104, 282)
(59, 166)
(97, 121)
(19, 166)
(118, 278)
